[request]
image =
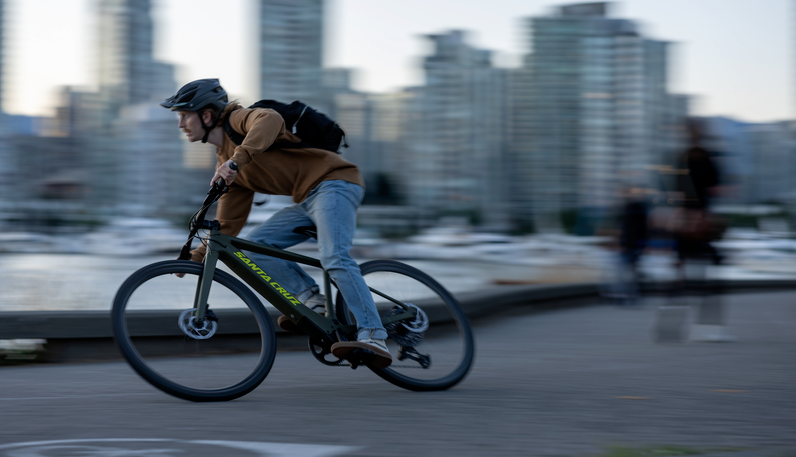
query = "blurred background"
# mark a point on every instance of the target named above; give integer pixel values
(508, 136)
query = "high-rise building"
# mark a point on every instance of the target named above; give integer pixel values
(7, 168)
(589, 110)
(2, 51)
(755, 160)
(456, 136)
(773, 155)
(130, 142)
(291, 51)
(773, 146)
(127, 70)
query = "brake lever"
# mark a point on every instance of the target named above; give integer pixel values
(185, 252)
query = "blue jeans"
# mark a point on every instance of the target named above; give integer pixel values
(332, 208)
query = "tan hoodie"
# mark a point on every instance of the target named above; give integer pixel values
(277, 171)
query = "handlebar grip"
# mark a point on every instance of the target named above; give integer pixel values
(232, 166)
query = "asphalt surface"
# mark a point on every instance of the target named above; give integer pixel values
(565, 382)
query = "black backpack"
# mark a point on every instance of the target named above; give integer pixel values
(315, 129)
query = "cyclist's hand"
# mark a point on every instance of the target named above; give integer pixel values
(226, 171)
(179, 275)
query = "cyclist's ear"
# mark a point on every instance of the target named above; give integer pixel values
(208, 117)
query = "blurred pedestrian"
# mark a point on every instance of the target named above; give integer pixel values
(694, 229)
(697, 183)
(633, 236)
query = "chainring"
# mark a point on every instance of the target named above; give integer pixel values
(320, 355)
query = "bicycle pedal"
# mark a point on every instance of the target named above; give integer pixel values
(360, 357)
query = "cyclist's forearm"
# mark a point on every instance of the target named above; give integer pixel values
(233, 209)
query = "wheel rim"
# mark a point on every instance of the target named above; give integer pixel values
(147, 319)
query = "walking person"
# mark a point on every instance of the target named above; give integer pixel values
(326, 189)
(633, 236)
(696, 229)
(697, 184)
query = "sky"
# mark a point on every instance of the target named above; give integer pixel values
(735, 56)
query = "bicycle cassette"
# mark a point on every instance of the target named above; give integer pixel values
(411, 333)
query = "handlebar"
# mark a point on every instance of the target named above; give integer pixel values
(218, 189)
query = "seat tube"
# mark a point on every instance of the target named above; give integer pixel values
(205, 281)
(327, 288)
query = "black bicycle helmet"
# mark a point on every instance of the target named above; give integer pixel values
(199, 95)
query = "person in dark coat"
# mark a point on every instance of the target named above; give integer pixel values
(633, 237)
(697, 183)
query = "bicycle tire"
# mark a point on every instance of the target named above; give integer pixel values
(158, 278)
(449, 325)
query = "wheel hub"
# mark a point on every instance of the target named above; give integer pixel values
(194, 329)
(408, 333)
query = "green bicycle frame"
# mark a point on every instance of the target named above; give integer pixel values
(229, 250)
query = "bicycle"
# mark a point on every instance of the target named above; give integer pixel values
(166, 331)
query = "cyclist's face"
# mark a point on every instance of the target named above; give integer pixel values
(190, 124)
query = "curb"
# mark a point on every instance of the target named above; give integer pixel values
(87, 335)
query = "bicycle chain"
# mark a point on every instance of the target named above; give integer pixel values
(346, 364)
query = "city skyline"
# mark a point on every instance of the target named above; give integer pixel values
(731, 73)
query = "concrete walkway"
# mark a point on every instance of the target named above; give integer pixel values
(564, 382)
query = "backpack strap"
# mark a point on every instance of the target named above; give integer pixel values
(238, 138)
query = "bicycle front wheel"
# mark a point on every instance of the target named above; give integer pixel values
(215, 360)
(436, 351)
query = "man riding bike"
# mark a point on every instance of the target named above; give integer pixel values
(326, 190)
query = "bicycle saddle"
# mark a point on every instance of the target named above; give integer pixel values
(309, 230)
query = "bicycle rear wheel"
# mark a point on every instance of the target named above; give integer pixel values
(436, 358)
(153, 326)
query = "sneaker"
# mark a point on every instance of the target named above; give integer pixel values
(316, 303)
(376, 352)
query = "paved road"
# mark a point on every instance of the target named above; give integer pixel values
(567, 382)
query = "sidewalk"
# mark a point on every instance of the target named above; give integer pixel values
(572, 382)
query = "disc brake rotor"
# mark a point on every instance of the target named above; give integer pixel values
(189, 326)
(408, 333)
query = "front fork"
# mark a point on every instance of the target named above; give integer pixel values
(203, 286)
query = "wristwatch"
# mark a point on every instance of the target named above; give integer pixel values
(233, 165)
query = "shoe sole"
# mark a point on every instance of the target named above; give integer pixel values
(289, 326)
(369, 356)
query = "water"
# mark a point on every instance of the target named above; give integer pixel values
(59, 282)
(39, 282)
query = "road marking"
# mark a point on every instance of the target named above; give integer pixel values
(634, 398)
(69, 397)
(257, 448)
